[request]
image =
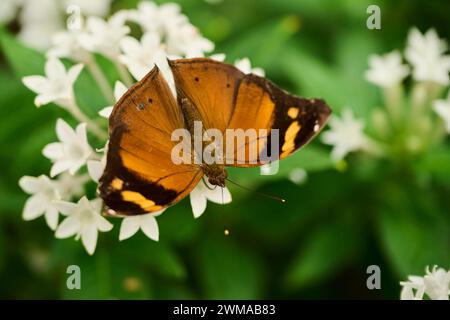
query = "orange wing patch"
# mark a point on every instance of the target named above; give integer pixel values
(262, 105)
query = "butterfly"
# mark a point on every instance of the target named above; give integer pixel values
(140, 175)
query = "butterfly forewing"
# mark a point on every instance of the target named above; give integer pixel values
(210, 85)
(140, 175)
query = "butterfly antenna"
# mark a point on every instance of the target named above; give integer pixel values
(257, 192)
(226, 231)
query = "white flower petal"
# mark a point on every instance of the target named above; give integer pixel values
(44, 99)
(53, 150)
(426, 53)
(243, 65)
(387, 70)
(218, 57)
(95, 169)
(149, 226)
(51, 217)
(89, 236)
(34, 208)
(407, 292)
(37, 84)
(218, 195)
(158, 213)
(60, 166)
(442, 108)
(106, 112)
(74, 72)
(198, 202)
(68, 228)
(103, 225)
(65, 207)
(119, 90)
(30, 184)
(345, 135)
(129, 226)
(82, 135)
(64, 132)
(54, 69)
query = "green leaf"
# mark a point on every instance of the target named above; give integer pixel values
(227, 271)
(273, 34)
(159, 257)
(178, 225)
(436, 162)
(324, 253)
(352, 53)
(413, 232)
(313, 78)
(22, 59)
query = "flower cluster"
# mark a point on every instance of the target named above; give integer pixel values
(39, 20)
(435, 284)
(429, 66)
(166, 32)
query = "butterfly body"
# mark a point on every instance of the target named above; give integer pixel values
(216, 173)
(213, 98)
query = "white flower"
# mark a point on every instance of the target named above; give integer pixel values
(218, 57)
(387, 70)
(96, 167)
(245, 66)
(73, 150)
(83, 220)
(39, 20)
(71, 186)
(56, 86)
(140, 57)
(436, 284)
(345, 135)
(106, 112)
(104, 36)
(119, 91)
(203, 192)
(180, 37)
(442, 108)
(413, 289)
(91, 8)
(67, 44)
(43, 192)
(161, 19)
(8, 10)
(298, 175)
(426, 54)
(187, 41)
(146, 222)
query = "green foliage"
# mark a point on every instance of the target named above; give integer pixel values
(317, 244)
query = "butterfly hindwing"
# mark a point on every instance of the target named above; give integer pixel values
(140, 176)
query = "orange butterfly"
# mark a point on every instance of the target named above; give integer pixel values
(140, 174)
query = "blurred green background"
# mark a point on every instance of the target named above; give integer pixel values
(318, 244)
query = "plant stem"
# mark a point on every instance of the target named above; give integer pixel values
(393, 98)
(373, 148)
(75, 111)
(124, 74)
(101, 80)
